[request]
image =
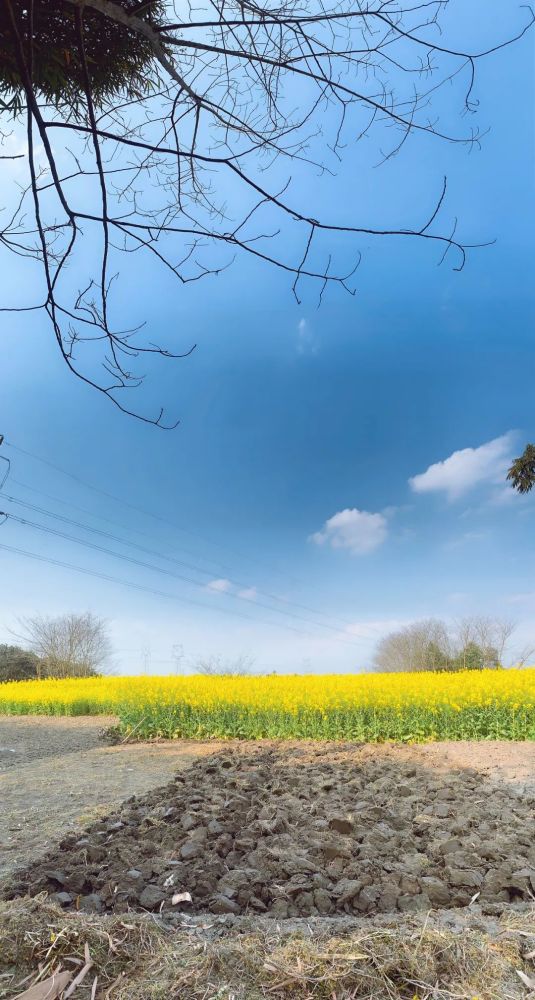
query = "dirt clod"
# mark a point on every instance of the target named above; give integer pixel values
(299, 831)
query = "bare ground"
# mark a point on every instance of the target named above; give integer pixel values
(62, 776)
(290, 829)
(58, 774)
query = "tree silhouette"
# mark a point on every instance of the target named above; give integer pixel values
(522, 472)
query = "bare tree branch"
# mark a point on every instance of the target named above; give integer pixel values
(160, 135)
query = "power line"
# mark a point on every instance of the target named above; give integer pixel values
(141, 587)
(109, 520)
(102, 534)
(160, 555)
(272, 597)
(127, 503)
(179, 576)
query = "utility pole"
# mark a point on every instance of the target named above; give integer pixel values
(7, 461)
(177, 653)
(146, 657)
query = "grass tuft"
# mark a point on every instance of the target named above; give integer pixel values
(136, 958)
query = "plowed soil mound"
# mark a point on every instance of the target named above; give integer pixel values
(299, 831)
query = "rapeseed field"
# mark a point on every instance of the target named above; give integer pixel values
(487, 704)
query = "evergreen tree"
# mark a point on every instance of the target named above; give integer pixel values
(522, 472)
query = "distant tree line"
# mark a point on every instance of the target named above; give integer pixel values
(73, 645)
(18, 664)
(476, 643)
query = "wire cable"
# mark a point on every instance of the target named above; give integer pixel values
(140, 587)
(178, 576)
(127, 503)
(160, 555)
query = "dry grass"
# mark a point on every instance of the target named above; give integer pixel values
(135, 958)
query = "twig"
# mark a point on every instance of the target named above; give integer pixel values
(81, 975)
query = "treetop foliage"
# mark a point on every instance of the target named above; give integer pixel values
(17, 664)
(117, 57)
(521, 475)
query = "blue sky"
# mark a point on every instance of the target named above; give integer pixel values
(306, 472)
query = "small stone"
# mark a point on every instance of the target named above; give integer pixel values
(464, 859)
(347, 889)
(56, 876)
(323, 901)
(457, 876)
(388, 899)
(341, 824)
(92, 903)
(199, 835)
(63, 898)
(409, 885)
(446, 794)
(367, 898)
(411, 904)
(437, 890)
(215, 827)
(152, 897)
(304, 902)
(190, 850)
(332, 851)
(449, 846)
(279, 908)
(222, 904)
(95, 854)
(189, 822)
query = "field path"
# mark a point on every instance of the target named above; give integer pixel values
(57, 774)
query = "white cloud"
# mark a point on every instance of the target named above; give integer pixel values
(248, 594)
(220, 586)
(224, 586)
(352, 529)
(466, 468)
(307, 342)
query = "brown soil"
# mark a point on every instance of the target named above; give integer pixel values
(305, 830)
(58, 774)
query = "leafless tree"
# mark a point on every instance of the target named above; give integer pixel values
(69, 645)
(423, 645)
(475, 642)
(174, 131)
(524, 657)
(491, 635)
(218, 666)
